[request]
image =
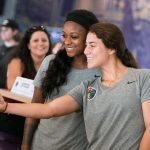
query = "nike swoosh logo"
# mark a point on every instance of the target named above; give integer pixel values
(96, 76)
(129, 82)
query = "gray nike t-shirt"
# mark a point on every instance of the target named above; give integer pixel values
(66, 132)
(113, 115)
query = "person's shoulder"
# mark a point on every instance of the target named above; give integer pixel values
(15, 61)
(91, 82)
(16, 64)
(141, 71)
(49, 57)
(141, 74)
(47, 60)
(2, 47)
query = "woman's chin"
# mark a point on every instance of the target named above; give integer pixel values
(70, 54)
(91, 66)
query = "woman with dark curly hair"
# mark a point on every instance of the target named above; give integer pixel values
(58, 74)
(33, 48)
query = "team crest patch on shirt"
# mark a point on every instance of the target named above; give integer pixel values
(91, 92)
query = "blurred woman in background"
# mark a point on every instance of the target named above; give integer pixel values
(33, 48)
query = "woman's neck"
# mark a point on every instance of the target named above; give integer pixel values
(113, 73)
(37, 61)
(79, 62)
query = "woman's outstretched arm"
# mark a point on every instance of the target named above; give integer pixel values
(58, 107)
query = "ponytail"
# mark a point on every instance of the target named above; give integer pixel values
(128, 59)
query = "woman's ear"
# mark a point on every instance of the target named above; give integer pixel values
(112, 51)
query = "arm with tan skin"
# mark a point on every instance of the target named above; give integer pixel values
(15, 69)
(59, 107)
(31, 123)
(145, 143)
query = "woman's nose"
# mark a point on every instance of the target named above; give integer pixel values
(86, 50)
(67, 40)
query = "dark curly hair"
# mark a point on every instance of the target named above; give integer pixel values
(56, 74)
(60, 66)
(24, 53)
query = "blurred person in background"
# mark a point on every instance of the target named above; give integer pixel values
(33, 48)
(57, 75)
(10, 35)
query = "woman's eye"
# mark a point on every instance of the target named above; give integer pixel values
(44, 40)
(36, 40)
(63, 36)
(74, 37)
(92, 45)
